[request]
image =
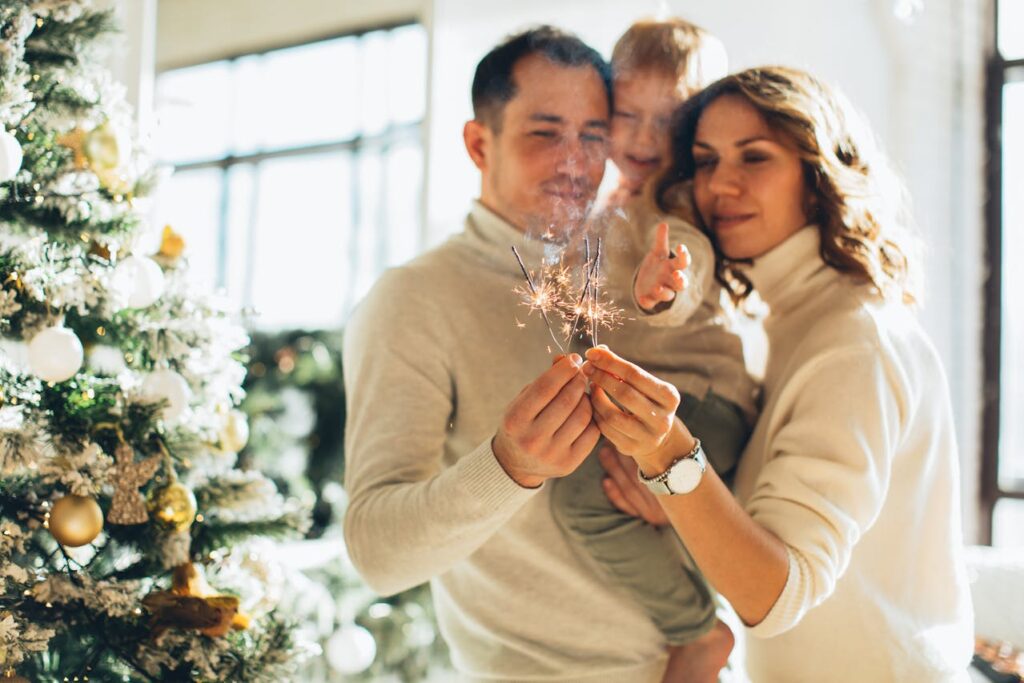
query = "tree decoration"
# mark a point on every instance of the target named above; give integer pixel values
(192, 604)
(235, 433)
(167, 385)
(55, 354)
(138, 281)
(351, 650)
(128, 506)
(75, 521)
(172, 247)
(174, 504)
(10, 156)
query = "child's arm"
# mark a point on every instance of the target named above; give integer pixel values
(662, 273)
(670, 283)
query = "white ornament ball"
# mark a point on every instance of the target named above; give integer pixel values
(138, 280)
(55, 354)
(351, 649)
(170, 386)
(106, 360)
(235, 433)
(10, 156)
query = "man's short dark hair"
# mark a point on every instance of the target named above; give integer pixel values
(493, 86)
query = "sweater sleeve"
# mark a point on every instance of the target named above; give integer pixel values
(833, 435)
(700, 273)
(410, 518)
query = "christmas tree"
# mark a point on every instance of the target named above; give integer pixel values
(132, 546)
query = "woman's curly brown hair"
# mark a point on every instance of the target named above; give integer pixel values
(857, 202)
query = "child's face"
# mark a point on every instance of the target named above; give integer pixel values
(644, 102)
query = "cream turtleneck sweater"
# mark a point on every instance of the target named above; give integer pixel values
(853, 465)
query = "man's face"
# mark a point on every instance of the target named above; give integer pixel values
(542, 170)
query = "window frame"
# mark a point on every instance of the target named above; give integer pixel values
(393, 134)
(998, 74)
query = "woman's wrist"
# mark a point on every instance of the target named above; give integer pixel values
(677, 443)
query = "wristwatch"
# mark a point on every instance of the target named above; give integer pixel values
(682, 476)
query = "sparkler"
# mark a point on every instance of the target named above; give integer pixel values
(540, 299)
(553, 291)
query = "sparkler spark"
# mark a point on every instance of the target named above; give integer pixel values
(553, 292)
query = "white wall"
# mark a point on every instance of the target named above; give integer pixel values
(918, 83)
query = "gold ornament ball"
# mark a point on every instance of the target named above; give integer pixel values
(235, 433)
(75, 520)
(174, 504)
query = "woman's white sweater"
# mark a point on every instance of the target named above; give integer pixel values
(853, 465)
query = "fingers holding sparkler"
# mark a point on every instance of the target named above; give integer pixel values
(633, 409)
(547, 429)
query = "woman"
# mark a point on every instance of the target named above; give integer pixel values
(842, 548)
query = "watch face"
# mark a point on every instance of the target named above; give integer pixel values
(685, 476)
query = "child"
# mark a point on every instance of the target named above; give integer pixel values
(679, 334)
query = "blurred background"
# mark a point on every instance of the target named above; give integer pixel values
(315, 143)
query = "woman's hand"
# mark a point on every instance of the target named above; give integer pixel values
(625, 491)
(643, 412)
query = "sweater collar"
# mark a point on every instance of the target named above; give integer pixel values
(783, 275)
(494, 238)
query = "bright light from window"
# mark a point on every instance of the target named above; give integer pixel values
(299, 171)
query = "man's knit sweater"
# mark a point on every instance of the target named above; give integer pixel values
(853, 466)
(432, 358)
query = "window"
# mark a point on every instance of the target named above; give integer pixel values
(297, 172)
(1003, 427)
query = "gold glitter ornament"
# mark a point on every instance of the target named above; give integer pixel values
(128, 506)
(75, 520)
(174, 505)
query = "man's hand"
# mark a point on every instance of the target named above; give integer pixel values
(662, 272)
(547, 430)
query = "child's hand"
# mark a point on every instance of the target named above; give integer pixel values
(661, 272)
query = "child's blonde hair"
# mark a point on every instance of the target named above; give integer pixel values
(672, 47)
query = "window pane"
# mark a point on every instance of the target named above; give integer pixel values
(1011, 438)
(404, 189)
(298, 96)
(407, 74)
(241, 212)
(1011, 28)
(189, 201)
(1008, 524)
(193, 108)
(374, 58)
(368, 244)
(299, 256)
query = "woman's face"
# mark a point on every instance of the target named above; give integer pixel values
(749, 182)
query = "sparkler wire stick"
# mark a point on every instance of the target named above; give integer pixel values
(533, 290)
(585, 291)
(592, 282)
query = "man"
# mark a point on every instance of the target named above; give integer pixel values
(446, 457)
